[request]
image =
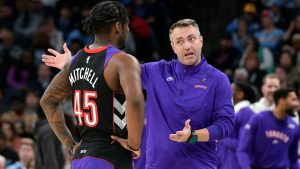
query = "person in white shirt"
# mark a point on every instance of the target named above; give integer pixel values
(270, 84)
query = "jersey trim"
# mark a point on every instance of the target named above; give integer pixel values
(97, 50)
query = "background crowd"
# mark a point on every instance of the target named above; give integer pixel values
(257, 38)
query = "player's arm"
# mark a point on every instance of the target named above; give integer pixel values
(246, 143)
(293, 151)
(57, 90)
(129, 72)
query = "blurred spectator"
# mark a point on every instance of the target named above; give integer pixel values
(249, 14)
(65, 23)
(240, 36)
(264, 55)
(26, 155)
(77, 44)
(2, 162)
(160, 24)
(240, 75)
(22, 120)
(226, 57)
(20, 74)
(293, 29)
(48, 151)
(55, 36)
(255, 75)
(6, 16)
(286, 62)
(3, 103)
(44, 78)
(280, 72)
(10, 155)
(39, 44)
(142, 34)
(270, 84)
(12, 138)
(269, 36)
(31, 101)
(10, 52)
(296, 47)
(29, 20)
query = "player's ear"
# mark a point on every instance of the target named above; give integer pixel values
(118, 27)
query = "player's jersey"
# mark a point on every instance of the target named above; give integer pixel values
(99, 111)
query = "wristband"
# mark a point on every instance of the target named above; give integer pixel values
(193, 137)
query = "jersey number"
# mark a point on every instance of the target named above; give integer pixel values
(90, 118)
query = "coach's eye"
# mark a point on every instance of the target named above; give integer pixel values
(179, 42)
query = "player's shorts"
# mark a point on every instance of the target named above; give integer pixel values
(91, 162)
(96, 156)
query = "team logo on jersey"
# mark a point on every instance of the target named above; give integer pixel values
(88, 59)
(199, 86)
(277, 135)
(170, 78)
(291, 126)
(275, 141)
(248, 126)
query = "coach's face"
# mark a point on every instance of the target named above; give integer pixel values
(187, 44)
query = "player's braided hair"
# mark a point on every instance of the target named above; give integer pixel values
(103, 16)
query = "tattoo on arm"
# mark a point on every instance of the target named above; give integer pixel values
(57, 90)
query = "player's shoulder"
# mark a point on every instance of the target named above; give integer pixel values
(120, 57)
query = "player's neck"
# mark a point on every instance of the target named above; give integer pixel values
(101, 41)
(279, 113)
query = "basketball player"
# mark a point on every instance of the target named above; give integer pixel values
(94, 77)
(270, 138)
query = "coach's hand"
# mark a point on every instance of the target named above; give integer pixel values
(124, 143)
(184, 134)
(59, 59)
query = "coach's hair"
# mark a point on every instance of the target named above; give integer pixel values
(269, 76)
(282, 93)
(103, 16)
(183, 23)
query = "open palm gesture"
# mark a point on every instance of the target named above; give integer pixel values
(59, 59)
(184, 134)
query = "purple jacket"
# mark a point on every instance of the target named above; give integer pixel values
(227, 148)
(269, 143)
(175, 93)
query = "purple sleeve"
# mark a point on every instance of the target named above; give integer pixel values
(148, 71)
(109, 53)
(223, 112)
(246, 143)
(75, 56)
(293, 152)
(230, 142)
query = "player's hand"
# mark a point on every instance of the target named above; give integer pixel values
(57, 60)
(74, 147)
(184, 134)
(124, 143)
